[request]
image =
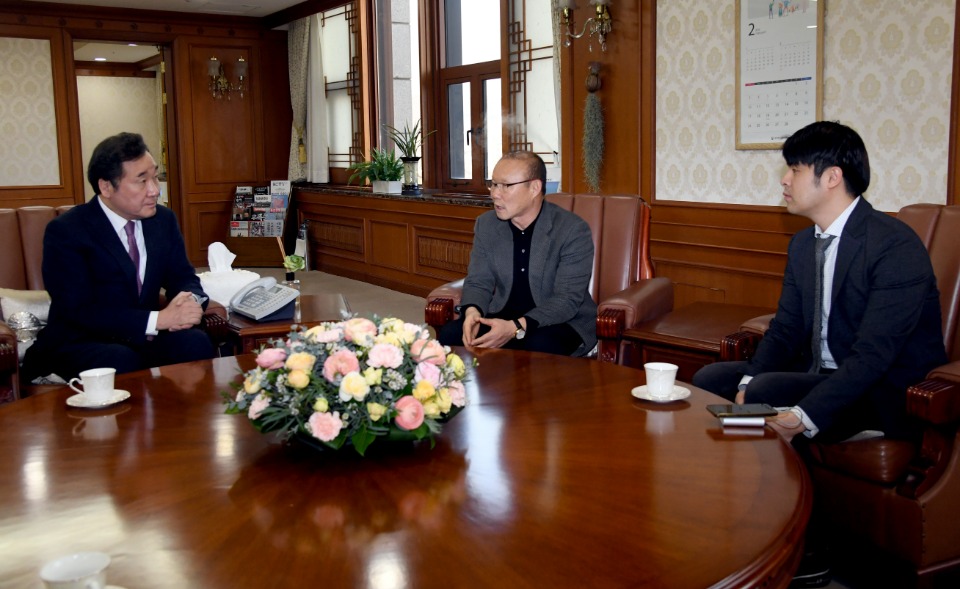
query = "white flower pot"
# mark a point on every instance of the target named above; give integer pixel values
(386, 186)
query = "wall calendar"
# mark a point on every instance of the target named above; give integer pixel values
(779, 69)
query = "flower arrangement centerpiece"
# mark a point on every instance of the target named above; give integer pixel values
(353, 381)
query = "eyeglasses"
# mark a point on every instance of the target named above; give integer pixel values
(491, 185)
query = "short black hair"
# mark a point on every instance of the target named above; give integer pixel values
(825, 144)
(536, 169)
(108, 158)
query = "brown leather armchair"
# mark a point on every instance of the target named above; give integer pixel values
(901, 497)
(623, 284)
(21, 241)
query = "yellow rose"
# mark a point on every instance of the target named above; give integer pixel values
(314, 331)
(298, 379)
(300, 361)
(376, 410)
(455, 363)
(391, 338)
(354, 385)
(321, 405)
(444, 400)
(251, 384)
(423, 391)
(391, 325)
(431, 409)
(373, 376)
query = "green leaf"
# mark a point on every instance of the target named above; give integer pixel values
(362, 439)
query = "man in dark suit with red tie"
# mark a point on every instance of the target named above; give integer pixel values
(105, 263)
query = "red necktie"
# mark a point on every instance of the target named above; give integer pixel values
(133, 250)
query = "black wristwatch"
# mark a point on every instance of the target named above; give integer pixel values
(521, 332)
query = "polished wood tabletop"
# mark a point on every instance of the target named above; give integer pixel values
(553, 475)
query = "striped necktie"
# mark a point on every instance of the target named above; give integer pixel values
(817, 341)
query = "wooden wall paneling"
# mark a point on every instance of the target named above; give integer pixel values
(442, 253)
(389, 245)
(277, 113)
(66, 191)
(620, 79)
(722, 253)
(410, 246)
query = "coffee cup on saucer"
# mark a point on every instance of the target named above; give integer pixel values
(660, 379)
(82, 570)
(97, 384)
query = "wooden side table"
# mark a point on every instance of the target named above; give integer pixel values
(248, 335)
(689, 336)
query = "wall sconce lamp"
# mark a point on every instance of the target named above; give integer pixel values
(241, 68)
(600, 24)
(220, 85)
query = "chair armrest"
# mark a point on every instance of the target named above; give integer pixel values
(441, 303)
(937, 399)
(214, 322)
(9, 365)
(639, 302)
(742, 344)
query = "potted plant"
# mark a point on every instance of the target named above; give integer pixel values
(384, 171)
(409, 141)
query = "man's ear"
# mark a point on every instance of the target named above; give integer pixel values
(106, 188)
(833, 176)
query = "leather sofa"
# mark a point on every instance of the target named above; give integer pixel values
(900, 497)
(21, 241)
(623, 284)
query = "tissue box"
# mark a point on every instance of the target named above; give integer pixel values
(221, 286)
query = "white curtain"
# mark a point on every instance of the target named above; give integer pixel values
(298, 37)
(318, 160)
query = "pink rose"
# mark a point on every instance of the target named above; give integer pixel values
(428, 350)
(409, 413)
(260, 403)
(339, 363)
(271, 358)
(385, 356)
(428, 372)
(328, 336)
(325, 426)
(458, 395)
(359, 330)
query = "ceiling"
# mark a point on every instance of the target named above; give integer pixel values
(252, 8)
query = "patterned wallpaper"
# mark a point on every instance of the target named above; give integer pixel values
(110, 105)
(886, 73)
(28, 152)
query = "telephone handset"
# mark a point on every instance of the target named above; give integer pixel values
(264, 299)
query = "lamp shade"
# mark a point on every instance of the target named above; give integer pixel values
(242, 67)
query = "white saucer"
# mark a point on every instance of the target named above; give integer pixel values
(679, 393)
(82, 401)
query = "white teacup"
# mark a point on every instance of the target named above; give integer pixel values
(97, 384)
(660, 378)
(83, 570)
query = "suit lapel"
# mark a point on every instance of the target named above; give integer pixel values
(539, 247)
(850, 243)
(102, 232)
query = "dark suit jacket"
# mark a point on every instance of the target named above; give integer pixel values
(884, 330)
(93, 284)
(561, 265)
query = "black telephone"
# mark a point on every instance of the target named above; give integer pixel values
(265, 300)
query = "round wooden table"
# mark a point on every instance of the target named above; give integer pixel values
(553, 475)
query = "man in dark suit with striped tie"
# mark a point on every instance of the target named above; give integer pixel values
(105, 264)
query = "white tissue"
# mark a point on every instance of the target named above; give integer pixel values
(221, 282)
(219, 258)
